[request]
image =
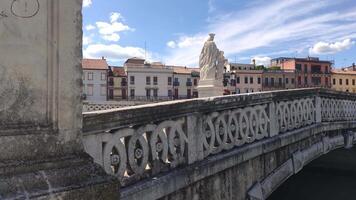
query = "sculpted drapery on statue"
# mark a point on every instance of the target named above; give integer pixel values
(211, 61)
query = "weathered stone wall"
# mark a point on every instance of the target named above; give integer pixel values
(42, 155)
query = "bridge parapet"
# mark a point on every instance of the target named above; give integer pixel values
(139, 142)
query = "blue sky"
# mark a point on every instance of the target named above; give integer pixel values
(174, 31)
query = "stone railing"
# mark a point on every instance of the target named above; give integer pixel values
(143, 141)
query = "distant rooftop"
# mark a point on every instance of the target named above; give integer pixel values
(95, 64)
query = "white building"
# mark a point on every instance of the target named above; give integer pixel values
(185, 82)
(148, 81)
(95, 79)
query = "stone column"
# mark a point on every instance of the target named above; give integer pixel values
(40, 104)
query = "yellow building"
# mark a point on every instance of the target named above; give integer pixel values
(344, 80)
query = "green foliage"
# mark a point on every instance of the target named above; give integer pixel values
(274, 68)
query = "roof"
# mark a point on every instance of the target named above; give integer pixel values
(344, 72)
(135, 60)
(185, 70)
(95, 64)
(118, 71)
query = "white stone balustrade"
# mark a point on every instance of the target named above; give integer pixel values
(143, 141)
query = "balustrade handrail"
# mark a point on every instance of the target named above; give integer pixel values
(141, 141)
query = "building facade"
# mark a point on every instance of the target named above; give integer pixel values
(344, 80)
(278, 80)
(95, 73)
(185, 82)
(117, 84)
(148, 81)
(310, 71)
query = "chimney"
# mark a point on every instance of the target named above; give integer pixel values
(353, 67)
(254, 62)
(103, 58)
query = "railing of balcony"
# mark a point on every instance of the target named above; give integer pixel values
(139, 142)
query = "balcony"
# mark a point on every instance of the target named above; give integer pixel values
(124, 83)
(176, 83)
(189, 84)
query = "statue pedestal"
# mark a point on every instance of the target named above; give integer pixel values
(210, 88)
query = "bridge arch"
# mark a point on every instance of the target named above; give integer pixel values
(324, 144)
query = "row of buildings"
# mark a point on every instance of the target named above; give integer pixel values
(138, 80)
(143, 81)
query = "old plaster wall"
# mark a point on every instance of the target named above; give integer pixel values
(40, 78)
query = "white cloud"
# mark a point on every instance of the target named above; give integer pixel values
(255, 29)
(87, 3)
(110, 30)
(115, 16)
(87, 40)
(211, 7)
(113, 52)
(89, 27)
(112, 37)
(331, 48)
(262, 60)
(172, 44)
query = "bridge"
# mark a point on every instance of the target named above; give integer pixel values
(230, 147)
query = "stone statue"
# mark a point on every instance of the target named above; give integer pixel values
(211, 61)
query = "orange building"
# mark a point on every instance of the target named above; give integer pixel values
(310, 71)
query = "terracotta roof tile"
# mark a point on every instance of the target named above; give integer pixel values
(119, 71)
(99, 64)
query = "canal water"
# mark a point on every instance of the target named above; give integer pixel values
(331, 177)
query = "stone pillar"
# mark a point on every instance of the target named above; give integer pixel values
(40, 104)
(210, 88)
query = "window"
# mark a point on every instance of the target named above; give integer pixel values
(132, 80)
(148, 80)
(287, 81)
(155, 80)
(90, 76)
(246, 80)
(195, 82)
(189, 93)
(280, 81)
(326, 81)
(132, 93)
(238, 80)
(347, 81)
(340, 81)
(90, 90)
(334, 81)
(272, 81)
(176, 80)
(292, 80)
(251, 80)
(155, 92)
(306, 80)
(170, 93)
(299, 80)
(169, 80)
(148, 93)
(103, 90)
(298, 67)
(353, 81)
(326, 69)
(305, 68)
(189, 80)
(259, 80)
(103, 76)
(266, 81)
(316, 81)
